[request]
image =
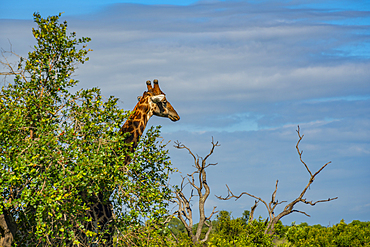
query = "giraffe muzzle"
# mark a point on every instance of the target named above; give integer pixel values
(174, 118)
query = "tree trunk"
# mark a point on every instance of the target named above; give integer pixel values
(7, 229)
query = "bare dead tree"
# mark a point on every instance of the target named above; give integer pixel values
(289, 208)
(184, 212)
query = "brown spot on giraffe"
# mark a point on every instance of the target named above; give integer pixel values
(142, 127)
(153, 102)
(136, 124)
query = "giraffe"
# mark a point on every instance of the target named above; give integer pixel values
(153, 102)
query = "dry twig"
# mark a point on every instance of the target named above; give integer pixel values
(289, 208)
(199, 183)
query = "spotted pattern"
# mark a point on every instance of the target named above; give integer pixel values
(101, 210)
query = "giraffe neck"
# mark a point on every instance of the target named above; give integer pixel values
(136, 123)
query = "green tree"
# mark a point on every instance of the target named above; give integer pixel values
(342, 234)
(246, 216)
(235, 232)
(176, 227)
(57, 147)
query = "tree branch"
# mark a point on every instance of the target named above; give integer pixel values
(274, 202)
(203, 191)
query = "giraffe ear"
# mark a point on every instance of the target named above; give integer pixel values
(139, 98)
(157, 98)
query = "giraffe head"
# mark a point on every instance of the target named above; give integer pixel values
(158, 104)
(153, 102)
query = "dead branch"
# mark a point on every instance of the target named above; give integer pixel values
(200, 185)
(289, 208)
(251, 215)
(12, 69)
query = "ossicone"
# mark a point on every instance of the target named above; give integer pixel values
(149, 85)
(156, 89)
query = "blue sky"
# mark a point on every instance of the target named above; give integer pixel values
(245, 73)
(23, 8)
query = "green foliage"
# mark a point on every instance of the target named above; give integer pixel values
(354, 234)
(232, 232)
(55, 145)
(236, 232)
(143, 193)
(246, 215)
(176, 227)
(280, 230)
(156, 234)
(227, 227)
